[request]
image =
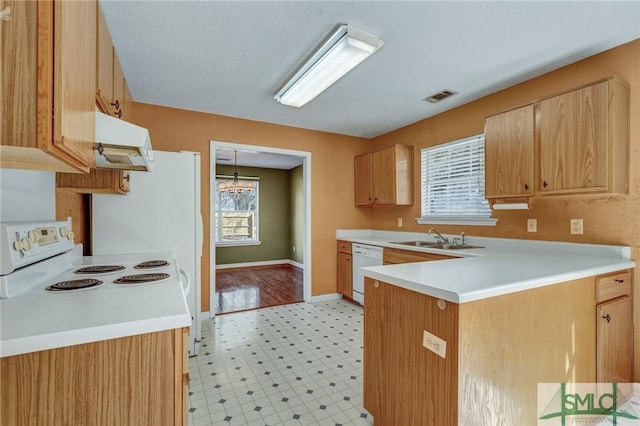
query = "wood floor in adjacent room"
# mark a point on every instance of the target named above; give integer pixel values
(240, 289)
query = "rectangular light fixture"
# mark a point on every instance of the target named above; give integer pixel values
(345, 48)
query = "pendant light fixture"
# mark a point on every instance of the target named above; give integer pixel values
(235, 187)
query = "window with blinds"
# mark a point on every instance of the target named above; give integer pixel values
(452, 177)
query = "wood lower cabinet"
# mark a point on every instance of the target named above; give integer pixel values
(136, 380)
(97, 181)
(344, 268)
(614, 319)
(584, 140)
(48, 64)
(391, 256)
(509, 149)
(497, 351)
(384, 177)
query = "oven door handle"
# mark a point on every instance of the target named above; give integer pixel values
(187, 288)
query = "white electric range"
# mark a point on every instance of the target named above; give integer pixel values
(51, 296)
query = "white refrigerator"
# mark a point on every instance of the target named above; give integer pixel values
(160, 213)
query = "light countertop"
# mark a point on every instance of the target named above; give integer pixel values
(504, 266)
(41, 320)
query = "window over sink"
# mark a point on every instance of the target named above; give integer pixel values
(236, 211)
(453, 184)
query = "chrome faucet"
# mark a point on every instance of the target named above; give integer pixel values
(439, 237)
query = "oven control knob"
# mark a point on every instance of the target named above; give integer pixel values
(70, 235)
(63, 231)
(26, 244)
(17, 245)
(34, 235)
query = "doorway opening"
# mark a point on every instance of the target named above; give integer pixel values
(260, 237)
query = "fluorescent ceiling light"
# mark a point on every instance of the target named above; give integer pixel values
(340, 53)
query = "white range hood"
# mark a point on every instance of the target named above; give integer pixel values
(121, 145)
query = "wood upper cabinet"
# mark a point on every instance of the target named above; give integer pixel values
(584, 140)
(384, 177)
(49, 46)
(97, 181)
(110, 93)
(345, 269)
(363, 177)
(614, 318)
(509, 152)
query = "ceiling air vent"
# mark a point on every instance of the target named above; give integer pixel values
(440, 96)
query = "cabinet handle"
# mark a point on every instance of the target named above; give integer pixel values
(127, 178)
(620, 281)
(607, 317)
(376, 284)
(526, 186)
(119, 113)
(116, 104)
(544, 183)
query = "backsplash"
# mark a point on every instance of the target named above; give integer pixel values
(27, 195)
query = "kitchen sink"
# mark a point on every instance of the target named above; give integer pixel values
(417, 243)
(454, 246)
(436, 245)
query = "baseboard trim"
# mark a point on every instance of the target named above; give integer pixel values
(323, 297)
(261, 263)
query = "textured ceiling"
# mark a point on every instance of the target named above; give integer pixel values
(230, 57)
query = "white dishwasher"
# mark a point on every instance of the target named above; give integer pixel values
(363, 256)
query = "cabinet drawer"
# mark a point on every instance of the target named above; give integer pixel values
(612, 286)
(344, 247)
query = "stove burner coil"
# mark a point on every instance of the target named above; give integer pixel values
(99, 269)
(141, 278)
(149, 264)
(74, 285)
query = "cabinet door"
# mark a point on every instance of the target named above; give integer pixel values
(509, 153)
(345, 275)
(74, 83)
(384, 176)
(118, 86)
(104, 92)
(614, 341)
(97, 181)
(574, 140)
(363, 178)
(127, 103)
(19, 70)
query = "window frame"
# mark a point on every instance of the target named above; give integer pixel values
(452, 219)
(219, 213)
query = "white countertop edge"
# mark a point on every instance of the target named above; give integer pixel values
(383, 238)
(43, 342)
(500, 290)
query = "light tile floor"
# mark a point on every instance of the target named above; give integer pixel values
(296, 364)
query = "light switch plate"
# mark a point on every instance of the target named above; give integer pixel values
(399, 222)
(434, 344)
(532, 225)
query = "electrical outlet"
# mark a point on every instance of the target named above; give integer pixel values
(532, 225)
(576, 226)
(294, 249)
(399, 222)
(434, 344)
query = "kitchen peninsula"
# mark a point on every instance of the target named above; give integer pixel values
(466, 340)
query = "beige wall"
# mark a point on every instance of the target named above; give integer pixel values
(331, 174)
(608, 219)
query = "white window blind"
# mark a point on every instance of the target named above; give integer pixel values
(452, 177)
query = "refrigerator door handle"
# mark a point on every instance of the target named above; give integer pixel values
(200, 234)
(187, 287)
